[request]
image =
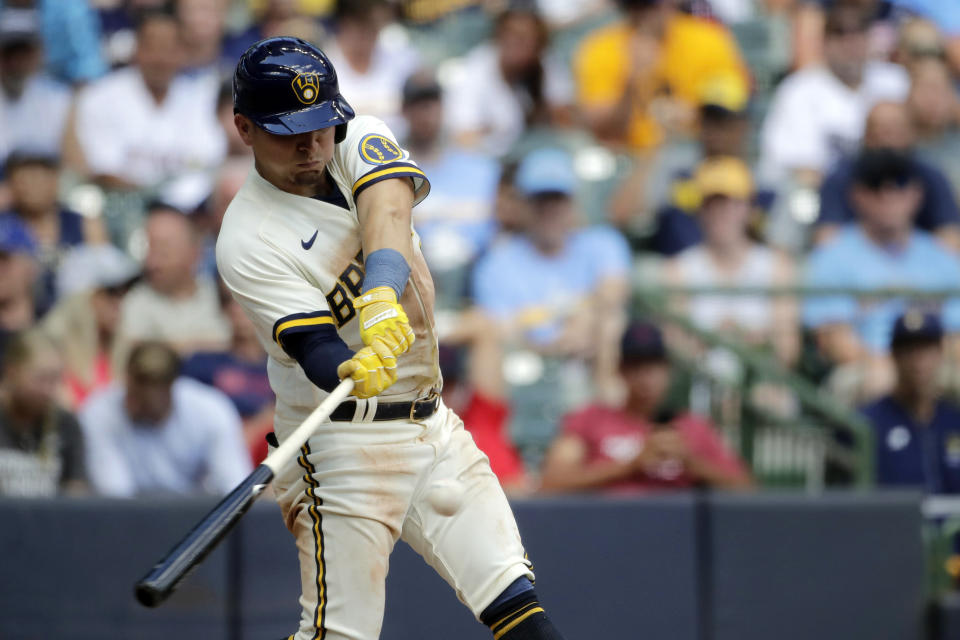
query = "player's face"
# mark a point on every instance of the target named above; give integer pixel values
(292, 163)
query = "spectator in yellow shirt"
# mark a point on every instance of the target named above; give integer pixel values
(638, 79)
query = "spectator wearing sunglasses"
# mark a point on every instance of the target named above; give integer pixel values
(883, 250)
(889, 127)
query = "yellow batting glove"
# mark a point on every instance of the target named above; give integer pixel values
(373, 369)
(383, 319)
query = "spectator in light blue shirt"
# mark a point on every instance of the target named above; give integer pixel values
(883, 250)
(559, 293)
(541, 280)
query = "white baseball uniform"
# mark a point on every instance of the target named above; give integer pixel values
(293, 263)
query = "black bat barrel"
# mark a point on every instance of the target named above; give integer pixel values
(159, 583)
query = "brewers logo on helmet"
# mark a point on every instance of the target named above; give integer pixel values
(288, 86)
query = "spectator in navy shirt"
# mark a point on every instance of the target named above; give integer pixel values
(889, 127)
(916, 431)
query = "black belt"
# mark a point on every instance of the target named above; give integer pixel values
(419, 410)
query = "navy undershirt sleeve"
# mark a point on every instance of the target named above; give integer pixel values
(319, 351)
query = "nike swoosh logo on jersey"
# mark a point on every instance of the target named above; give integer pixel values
(306, 244)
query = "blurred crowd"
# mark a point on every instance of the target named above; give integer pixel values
(586, 158)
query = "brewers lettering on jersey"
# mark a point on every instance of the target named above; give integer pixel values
(318, 249)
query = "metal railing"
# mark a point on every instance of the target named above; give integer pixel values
(803, 449)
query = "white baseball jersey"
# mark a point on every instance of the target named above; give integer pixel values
(294, 262)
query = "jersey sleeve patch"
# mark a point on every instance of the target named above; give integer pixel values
(301, 323)
(392, 170)
(378, 149)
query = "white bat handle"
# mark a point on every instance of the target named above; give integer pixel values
(288, 449)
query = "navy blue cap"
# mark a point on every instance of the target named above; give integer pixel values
(288, 86)
(916, 326)
(14, 236)
(642, 341)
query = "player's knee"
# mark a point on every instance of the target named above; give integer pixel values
(517, 614)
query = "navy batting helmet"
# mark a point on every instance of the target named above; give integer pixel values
(288, 86)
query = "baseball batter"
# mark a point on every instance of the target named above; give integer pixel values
(319, 250)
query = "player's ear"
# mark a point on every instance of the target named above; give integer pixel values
(244, 127)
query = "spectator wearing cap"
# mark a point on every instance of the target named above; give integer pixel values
(544, 281)
(643, 445)
(657, 193)
(458, 223)
(41, 446)
(148, 126)
(239, 371)
(557, 292)
(916, 431)
(33, 107)
(639, 79)
(729, 257)
(18, 275)
(509, 84)
(370, 69)
(818, 113)
(883, 250)
(91, 284)
(33, 178)
(173, 303)
(889, 128)
(160, 433)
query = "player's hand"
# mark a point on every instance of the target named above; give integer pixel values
(373, 369)
(383, 319)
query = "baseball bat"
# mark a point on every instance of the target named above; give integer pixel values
(163, 578)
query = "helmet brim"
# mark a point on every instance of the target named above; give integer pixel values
(321, 116)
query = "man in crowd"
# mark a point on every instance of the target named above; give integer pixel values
(642, 445)
(162, 434)
(889, 127)
(371, 70)
(917, 431)
(41, 446)
(660, 194)
(34, 178)
(565, 313)
(33, 108)
(147, 126)
(638, 80)
(456, 222)
(173, 303)
(883, 250)
(817, 114)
